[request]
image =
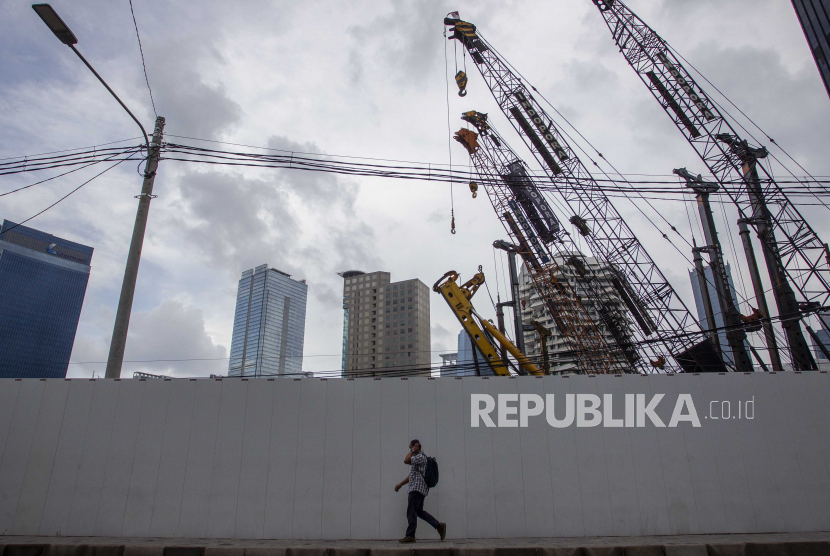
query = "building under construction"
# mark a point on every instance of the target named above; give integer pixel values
(623, 315)
(535, 313)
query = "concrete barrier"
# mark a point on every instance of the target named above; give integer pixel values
(318, 459)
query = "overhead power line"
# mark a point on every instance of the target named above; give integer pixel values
(65, 196)
(143, 65)
(402, 170)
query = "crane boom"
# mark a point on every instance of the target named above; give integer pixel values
(482, 333)
(545, 247)
(651, 300)
(797, 256)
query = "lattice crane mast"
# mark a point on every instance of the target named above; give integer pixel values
(648, 296)
(545, 247)
(796, 257)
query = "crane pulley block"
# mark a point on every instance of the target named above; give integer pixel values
(467, 138)
(478, 119)
(465, 32)
(581, 225)
(578, 265)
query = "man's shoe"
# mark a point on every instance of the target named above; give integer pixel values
(408, 539)
(442, 530)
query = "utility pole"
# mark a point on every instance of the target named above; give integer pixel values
(514, 291)
(760, 297)
(125, 302)
(735, 335)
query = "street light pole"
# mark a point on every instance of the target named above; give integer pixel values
(125, 302)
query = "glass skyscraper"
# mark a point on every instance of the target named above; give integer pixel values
(43, 281)
(269, 324)
(717, 311)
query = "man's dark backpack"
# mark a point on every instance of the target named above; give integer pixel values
(431, 472)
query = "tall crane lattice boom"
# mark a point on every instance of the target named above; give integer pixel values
(650, 299)
(544, 245)
(797, 256)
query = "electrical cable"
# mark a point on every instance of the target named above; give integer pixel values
(64, 197)
(143, 65)
(52, 178)
(770, 139)
(70, 150)
(34, 164)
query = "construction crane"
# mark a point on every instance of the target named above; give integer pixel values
(794, 254)
(482, 332)
(545, 247)
(735, 333)
(652, 302)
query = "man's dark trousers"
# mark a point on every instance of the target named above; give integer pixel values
(414, 510)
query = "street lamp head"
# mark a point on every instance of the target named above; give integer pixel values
(55, 23)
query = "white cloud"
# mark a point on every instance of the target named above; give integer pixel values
(362, 79)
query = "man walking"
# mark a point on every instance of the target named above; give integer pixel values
(418, 490)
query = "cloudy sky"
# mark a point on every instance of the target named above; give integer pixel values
(354, 78)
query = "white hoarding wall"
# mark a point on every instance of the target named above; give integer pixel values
(319, 459)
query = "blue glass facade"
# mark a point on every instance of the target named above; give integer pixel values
(716, 308)
(43, 281)
(268, 324)
(466, 362)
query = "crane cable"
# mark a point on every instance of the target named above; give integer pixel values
(606, 174)
(449, 133)
(770, 139)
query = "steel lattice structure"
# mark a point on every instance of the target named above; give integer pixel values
(797, 257)
(545, 248)
(651, 300)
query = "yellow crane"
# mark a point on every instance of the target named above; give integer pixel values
(481, 331)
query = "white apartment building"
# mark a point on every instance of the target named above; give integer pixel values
(533, 308)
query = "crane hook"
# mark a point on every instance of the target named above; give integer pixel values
(461, 81)
(452, 229)
(474, 189)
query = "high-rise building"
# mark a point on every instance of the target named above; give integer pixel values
(823, 336)
(814, 16)
(560, 353)
(465, 353)
(448, 364)
(268, 325)
(385, 325)
(466, 362)
(43, 281)
(717, 311)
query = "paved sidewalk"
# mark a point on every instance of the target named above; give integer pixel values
(761, 544)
